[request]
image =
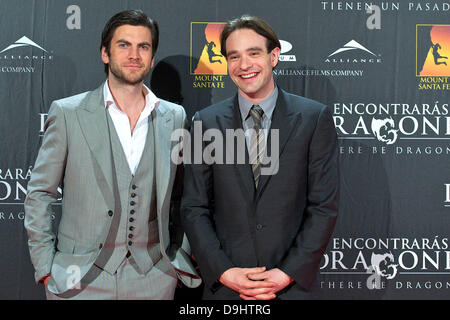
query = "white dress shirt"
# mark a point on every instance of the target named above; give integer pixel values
(132, 143)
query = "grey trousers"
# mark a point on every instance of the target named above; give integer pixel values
(126, 284)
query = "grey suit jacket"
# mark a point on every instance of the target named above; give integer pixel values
(76, 155)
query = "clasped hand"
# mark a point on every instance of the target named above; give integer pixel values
(255, 283)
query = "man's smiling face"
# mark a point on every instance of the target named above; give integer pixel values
(250, 65)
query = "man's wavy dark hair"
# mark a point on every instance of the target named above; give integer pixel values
(256, 24)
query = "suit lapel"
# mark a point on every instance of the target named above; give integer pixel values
(163, 125)
(231, 119)
(94, 125)
(285, 119)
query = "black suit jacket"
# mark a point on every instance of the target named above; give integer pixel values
(287, 222)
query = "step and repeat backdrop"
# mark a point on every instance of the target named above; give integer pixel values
(382, 67)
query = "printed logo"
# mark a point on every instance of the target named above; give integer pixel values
(383, 265)
(285, 48)
(206, 36)
(383, 130)
(414, 263)
(23, 42)
(432, 56)
(14, 60)
(436, 43)
(346, 61)
(401, 128)
(352, 45)
(360, 57)
(207, 64)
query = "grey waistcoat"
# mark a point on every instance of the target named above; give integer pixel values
(135, 226)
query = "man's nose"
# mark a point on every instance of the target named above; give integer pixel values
(245, 62)
(133, 53)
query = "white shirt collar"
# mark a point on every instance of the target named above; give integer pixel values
(151, 100)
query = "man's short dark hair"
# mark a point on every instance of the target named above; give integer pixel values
(131, 17)
(256, 24)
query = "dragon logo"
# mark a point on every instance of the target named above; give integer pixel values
(383, 265)
(384, 131)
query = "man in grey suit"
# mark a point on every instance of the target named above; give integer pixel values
(259, 232)
(109, 150)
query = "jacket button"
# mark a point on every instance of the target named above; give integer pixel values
(110, 213)
(100, 246)
(259, 227)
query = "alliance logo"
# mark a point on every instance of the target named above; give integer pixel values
(360, 57)
(15, 60)
(22, 42)
(352, 45)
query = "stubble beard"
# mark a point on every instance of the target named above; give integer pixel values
(122, 77)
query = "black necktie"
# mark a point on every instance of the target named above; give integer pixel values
(257, 142)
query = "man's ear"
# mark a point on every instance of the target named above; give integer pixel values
(274, 55)
(105, 56)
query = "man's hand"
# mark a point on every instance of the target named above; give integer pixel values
(237, 279)
(276, 276)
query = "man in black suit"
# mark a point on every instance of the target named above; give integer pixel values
(258, 230)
